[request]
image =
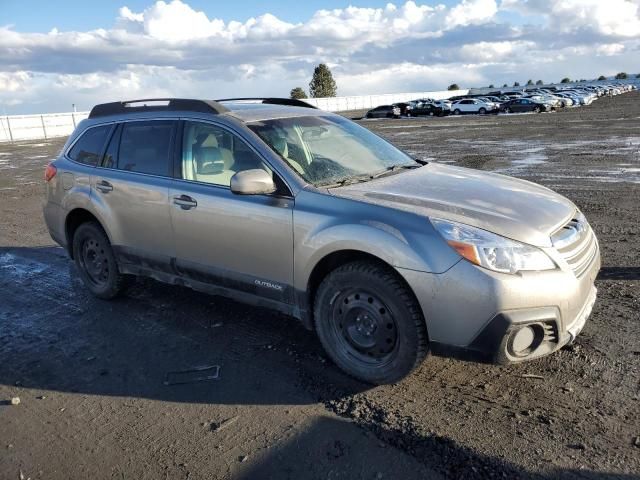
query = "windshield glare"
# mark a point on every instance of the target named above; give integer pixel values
(328, 150)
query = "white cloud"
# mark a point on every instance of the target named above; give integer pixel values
(471, 12)
(617, 18)
(170, 48)
(609, 49)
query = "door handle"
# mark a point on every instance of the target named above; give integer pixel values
(185, 202)
(104, 186)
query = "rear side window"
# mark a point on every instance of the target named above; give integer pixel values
(89, 147)
(145, 147)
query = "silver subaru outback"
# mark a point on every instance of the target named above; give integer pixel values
(278, 204)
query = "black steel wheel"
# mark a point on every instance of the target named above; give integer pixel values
(370, 323)
(363, 325)
(96, 262)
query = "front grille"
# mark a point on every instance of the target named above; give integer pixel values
(577, 244)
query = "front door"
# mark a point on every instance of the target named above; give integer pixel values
(238, 242)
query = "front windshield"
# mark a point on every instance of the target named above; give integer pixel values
(327, 150)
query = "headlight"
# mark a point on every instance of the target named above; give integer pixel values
(492, 251)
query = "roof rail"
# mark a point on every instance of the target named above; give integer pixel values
(292, 102)
(157, 105)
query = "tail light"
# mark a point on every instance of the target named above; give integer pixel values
(50, 172)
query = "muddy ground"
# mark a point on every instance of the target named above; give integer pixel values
(91, 375)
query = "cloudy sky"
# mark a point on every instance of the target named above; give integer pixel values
(54, 54)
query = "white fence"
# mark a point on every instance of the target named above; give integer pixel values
(48, 125)
(32, 127)
(362, 102)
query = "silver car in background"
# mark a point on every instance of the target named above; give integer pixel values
(278, 204)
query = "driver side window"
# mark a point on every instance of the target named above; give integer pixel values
(213, 155)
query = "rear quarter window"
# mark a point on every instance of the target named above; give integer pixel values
(88, 148)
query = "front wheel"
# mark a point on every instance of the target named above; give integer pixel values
(536, 110)
(96, 262)
(456, 112)
(370, 323)
(482, 111)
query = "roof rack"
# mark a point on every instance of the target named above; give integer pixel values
(291, 102)
(156, 105)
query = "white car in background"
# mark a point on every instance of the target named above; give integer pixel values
(473, 105)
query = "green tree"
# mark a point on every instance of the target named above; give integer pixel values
(539, 82)
(298, 93)
(322, 84)
(621, 76)
(529, 82)
(491, 86)
(505, 85)
(453, 86)
(516, 84)
(602, 77)
(565, 80)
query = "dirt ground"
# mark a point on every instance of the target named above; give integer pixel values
(95, 380)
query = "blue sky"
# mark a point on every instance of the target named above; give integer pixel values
(54, 54)
(86, 15)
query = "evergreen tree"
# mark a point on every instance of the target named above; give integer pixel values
(565, 80)
(539, 82)
(453, 86)
(529, 82)
(621, 76)
(322, 84)
(602, 77)
(298, 93)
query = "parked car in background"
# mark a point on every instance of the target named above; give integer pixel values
(474, 105)
(405, 108)
(384, 111)
(521, 105)
(430, 109)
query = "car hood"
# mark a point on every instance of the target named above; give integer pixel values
(510, 207)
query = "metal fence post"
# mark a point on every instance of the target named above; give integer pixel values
(73, 118)
(9, 128)
(44, 130)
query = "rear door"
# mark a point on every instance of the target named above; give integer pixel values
(130, 190)
(239, 242)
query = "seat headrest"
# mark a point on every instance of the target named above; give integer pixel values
(210, 141)
(209, 161)
(280, 146)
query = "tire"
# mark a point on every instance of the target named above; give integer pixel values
(370, 323)
(431, 113)
(456, 112)
(536, 110)
(96, 262)
(482, 111)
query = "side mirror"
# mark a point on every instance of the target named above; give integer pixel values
(252, 182)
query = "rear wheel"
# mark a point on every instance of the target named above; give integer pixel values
(96, 262)
(508, 110)
(369, 323)
(536, 110)
(482, 111)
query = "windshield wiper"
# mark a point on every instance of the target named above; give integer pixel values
(394, 168)
(370, 176)
(348, 181)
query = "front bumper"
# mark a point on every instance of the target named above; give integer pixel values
(474, 309)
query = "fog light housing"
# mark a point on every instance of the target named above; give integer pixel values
(525, 339)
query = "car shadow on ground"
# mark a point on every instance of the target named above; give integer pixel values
(337, 451)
